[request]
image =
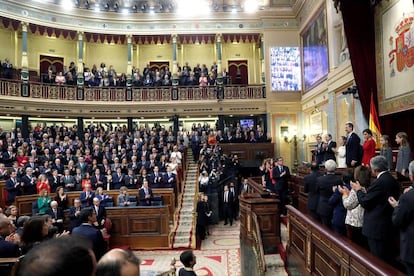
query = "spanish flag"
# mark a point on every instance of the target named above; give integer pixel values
(374, 125)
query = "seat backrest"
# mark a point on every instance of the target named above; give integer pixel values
(132, 201)
(5, 196)
(109, 202)
(35, 208)
(157, 200)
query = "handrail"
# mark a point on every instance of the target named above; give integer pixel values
(364, 258)
(46, 91)
(258, 245)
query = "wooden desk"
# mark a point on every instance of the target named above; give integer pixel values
(24, 203)
(140, 227)
(250, 151)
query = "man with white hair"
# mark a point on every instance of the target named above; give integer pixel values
(324, 187)
(377, 226)
(56, 213)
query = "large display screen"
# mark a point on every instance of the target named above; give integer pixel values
(285, 69)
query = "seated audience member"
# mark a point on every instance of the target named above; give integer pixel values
(145, 194)
(43, 201)
(156, 179)
(8, 249)
(103, 198)
(74, 214)
(68, 181)
(56, 213)
(89, 231)
(98, 180)
(377, 226)
(61, 198)
(12, 214)
(123, 198)
(130, 180)
(188, 259)
(311, 188)
(65, 256)
(118, 178)
(118, 262)
(403, 218)
(86, 197)
(35, 230)
(171, 178)
(325, 184)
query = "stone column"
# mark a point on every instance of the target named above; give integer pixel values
(129, 69)
(262, 60)
(174, 70)
(219, 80)
(25, 61)
(25, 126)
(80, 128)
(80, 76)
(130, 124)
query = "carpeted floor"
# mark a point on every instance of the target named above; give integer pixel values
(219, 254)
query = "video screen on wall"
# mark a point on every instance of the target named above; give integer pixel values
(285, 69)
(246, 123)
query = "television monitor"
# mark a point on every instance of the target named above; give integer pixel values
(246, 123)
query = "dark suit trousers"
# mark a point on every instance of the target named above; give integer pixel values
(283, 196)
(380, 249)
(227, 212)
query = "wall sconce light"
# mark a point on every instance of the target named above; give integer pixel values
(292, 138)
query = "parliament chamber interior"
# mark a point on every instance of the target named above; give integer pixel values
(269, 137)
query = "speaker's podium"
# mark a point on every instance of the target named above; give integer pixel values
(259, 229)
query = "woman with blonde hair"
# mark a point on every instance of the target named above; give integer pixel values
(123, 198)
(43, 201)
(386, 151)
(404, 155)
(42, 183)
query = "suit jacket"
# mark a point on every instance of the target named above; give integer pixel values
(70, 179)
(324, 188)
(142, 200)
(86, 201)
(29, 185)
(353, 149)
(329, 153)
(310, 187)
(54, 183)
(59, 213)
(281, 181)
(74, 219)
(100, 215)
(403, 218)
(94, 236)
(184, 272)
(12, 190)
(95, 179)
(8, 249)
(130, 181)
(118, 181)
(156, 181)
(319, 153)
(378, 212)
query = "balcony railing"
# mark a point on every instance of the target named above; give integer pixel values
(136, 94)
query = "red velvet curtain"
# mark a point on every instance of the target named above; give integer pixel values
(238, 71)
(358, 17)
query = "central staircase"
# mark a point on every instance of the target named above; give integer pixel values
(184, 228)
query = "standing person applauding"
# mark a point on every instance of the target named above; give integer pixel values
(368, 147)
(404, 155)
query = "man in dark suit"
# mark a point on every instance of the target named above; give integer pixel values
(8, 157)
(227, 203)
(28, 182)
(100, 213)
(7, 249)
(328, 147)
(87, 196)
(12, 187)
(188, 259)
(280, 175)
(324, 188)
(311, 188)
(98, 180)
(156, 179)
(235, 194)
(54, 181)
(145, 194)
(318, 152)
(130, 180)
(74, 214)
(87, 230)
(56, 213)
(353, 148)
(118, 179)
(377, 226)
(402, 218)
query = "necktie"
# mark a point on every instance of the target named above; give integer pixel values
(281, 168)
